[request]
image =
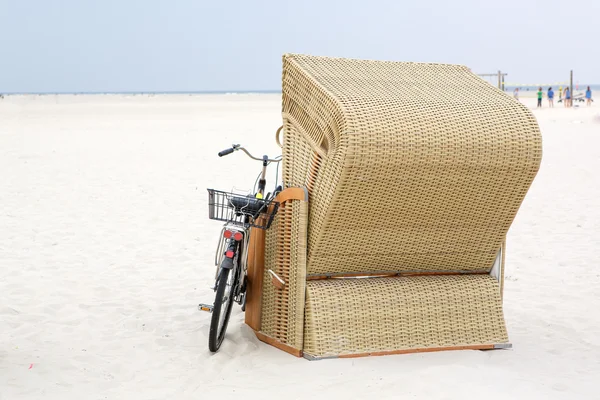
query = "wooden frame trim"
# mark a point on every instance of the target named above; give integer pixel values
(387, 275)
(276, 343)
(256, 260)
(292, 193)
(410, 351)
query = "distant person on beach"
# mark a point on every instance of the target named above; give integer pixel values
(560, 93)
(567, 97)
(540, 94)
(550, 97)
(588, 96)
(516, 93)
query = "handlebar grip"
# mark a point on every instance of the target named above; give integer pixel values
(225, 152)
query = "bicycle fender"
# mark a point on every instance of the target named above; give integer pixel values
(227, 263)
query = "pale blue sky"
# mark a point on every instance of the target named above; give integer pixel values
(197, 45)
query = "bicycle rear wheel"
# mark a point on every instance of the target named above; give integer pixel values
(221, 309)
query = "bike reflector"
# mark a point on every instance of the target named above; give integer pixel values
(228, 234)
(229, 254)
(238, 236)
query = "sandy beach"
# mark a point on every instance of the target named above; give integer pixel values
(106, 251)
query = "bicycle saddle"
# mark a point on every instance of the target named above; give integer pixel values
(248, 205)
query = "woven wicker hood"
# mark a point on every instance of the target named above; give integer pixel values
(411, 167)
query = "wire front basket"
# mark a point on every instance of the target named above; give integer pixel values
(246, 211)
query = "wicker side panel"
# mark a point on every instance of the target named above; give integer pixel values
(272, 322)
(305, 165)
(285, 254)
(313, 146)
(355, 316)
(297, 156)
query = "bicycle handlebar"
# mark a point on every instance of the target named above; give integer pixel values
(237, 147)
(225, 152)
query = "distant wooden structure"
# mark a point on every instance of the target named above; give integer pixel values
(500, 76)
(571, 84)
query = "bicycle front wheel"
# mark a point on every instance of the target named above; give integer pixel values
(221, 309)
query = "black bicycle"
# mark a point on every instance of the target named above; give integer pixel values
(240, 213)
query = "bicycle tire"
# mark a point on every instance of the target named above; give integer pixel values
(215, 337)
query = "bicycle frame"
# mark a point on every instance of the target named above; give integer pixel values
(240, 213)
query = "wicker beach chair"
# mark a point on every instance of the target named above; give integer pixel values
(402, 181)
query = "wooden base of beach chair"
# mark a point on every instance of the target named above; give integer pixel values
(299, 353)
(276, 343)
(412, 351)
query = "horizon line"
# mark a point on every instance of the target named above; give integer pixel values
(149, 92)
(263, 91)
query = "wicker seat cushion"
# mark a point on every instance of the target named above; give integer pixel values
(370, 315)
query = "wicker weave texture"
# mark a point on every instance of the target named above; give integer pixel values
(285, 254)
(356, 316)
(411, 167)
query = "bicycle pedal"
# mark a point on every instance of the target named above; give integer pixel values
(205, 307)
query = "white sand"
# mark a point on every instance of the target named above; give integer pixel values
(106, 250)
